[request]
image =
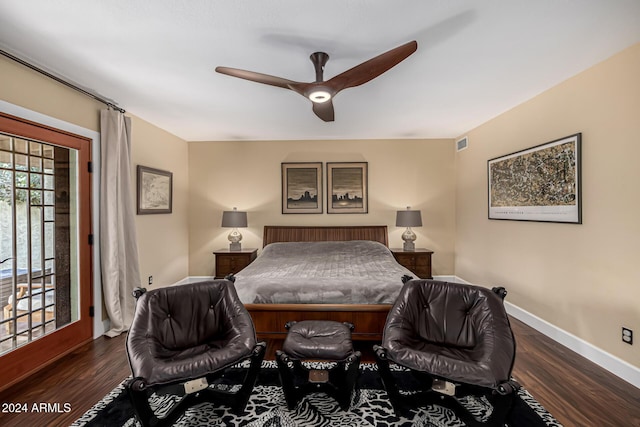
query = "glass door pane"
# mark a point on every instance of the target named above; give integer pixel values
(39, 284)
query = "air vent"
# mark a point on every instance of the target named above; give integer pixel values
(461, 144)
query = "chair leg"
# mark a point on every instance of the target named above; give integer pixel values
(243, 395)
(287, 380)
(7, 314)
(389, 382)
(140, 401)
(502, 405)
(345, 389)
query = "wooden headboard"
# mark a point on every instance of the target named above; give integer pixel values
(284, 233)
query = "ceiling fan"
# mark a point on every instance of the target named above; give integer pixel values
(321, 92)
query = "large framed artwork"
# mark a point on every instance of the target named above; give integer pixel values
(302, 188)
(347, 190)
(542, 183)
(154, 191)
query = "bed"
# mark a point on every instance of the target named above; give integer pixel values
(331, 295)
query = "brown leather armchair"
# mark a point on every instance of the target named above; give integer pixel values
(457, 341)
(183, 339)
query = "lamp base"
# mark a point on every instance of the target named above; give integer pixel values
(408, 237)
(234, 239)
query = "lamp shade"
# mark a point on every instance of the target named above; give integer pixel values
(234, 219)
(408, 218)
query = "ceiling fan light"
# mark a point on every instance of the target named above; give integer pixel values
(320, 96)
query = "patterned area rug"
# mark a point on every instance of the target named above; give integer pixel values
(267, 407)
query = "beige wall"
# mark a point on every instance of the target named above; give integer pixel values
(26, 88)
(246, 174)
(582, 278)
(163, 239)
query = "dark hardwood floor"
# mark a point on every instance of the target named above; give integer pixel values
(576, 391)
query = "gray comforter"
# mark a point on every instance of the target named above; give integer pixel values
(354, 272)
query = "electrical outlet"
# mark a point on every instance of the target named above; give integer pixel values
(151, 280)
(627, 335)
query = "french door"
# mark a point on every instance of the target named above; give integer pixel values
(45, 245)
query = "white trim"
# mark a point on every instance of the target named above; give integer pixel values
(461, 280)
(99, 326)
(192, 279)
(446, 278)
(608, 361)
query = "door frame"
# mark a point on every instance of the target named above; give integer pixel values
(23, 362)
(100, 321)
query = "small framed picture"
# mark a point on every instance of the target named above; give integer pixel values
(302, 188)
(347, 188)
(154, 191)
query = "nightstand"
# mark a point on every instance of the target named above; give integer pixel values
(231, 262)
(418, 261)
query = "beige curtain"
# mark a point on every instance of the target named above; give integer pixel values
(118, 244)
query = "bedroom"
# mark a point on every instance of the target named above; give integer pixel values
(577, 281)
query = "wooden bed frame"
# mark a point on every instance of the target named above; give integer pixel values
(368, 319)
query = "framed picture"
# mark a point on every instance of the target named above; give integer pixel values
(542, 183)
(347, 190)
(302, 188)
(154, 191)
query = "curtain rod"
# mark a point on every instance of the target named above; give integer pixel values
(60, 80)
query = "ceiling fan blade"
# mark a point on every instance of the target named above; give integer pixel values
(372, 68)
(301, 88)
(256, 77)
(324, 110)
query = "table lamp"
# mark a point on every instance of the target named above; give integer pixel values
(234, 219)
(408, 218)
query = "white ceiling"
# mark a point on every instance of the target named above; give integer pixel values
(475, 59)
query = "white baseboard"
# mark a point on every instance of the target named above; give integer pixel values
(446, 278)
(193, 279)
(100, 327)
(608, 361)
